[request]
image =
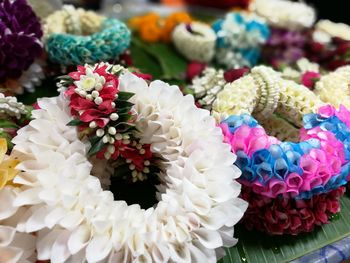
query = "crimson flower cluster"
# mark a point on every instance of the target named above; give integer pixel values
(278, 216)
(105, 116)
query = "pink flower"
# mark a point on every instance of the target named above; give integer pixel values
(194, 69)
(343, 114)
(326, 111)
(309, 78)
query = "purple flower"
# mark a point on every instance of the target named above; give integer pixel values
(284, 47)
(20, 33)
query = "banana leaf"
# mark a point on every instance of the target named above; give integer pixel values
(255, 247)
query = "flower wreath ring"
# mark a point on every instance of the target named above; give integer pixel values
(198, 203)
(318, 163)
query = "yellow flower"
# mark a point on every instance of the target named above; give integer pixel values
(7, 166)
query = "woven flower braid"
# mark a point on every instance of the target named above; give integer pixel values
(334, 87)
(75, 36)
(262, 93)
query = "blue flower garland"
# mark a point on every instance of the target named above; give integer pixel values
(106, 45)
(278, 161)
(243, 35)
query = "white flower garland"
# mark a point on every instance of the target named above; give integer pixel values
(333, 88)
(9, 106)
(285, 14)
(198, 45)
(77, 221)
(326, 29)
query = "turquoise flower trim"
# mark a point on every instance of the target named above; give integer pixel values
(106, 45)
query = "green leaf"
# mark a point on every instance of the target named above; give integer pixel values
(145, 62)
(258, 247)
(123, 95)
(173, 65)
(120, 104)
(8, 124)
(75, 122)
(96, 145)
(46, 89)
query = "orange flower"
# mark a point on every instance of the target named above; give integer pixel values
(150, 33)
(153, 28)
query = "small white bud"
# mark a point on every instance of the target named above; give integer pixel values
(105, 139)
(107, 155)
(134, 173)
(126, 141)
(118, 137)
(89, 97)
(111, 149)
(113, 105)
(112, 131)
(116, 96)
(142, 151)
(100, 132)
(98, 100)
(146, 170)
(128, 160)
(98, 86)
(147, 163)
(126, 136)
(132, 166)
(92, 125)
(111, 140)
(95, 94)
(82, 93)
(114, 116)
(138, 146)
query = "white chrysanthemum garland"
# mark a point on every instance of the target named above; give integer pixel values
(333, 88)
(14, 246)
(285, 13)
(325, 30)
(76, 220)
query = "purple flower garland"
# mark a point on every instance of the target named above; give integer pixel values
(20, 33)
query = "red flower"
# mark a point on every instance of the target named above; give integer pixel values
(289, 216)
(148, 77)
(87, 110)
(234, 74)
(194, 69)
(309, 78)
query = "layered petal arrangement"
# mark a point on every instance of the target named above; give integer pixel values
(75, 219)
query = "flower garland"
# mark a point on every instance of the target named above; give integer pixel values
(194, 216)
(20, 33)
(290, 216)
(326, 29)
(284, 46)
(285, 14)
(153, 28)
(291, 187)
(196, 41)
(317, 164)
(14, 246)
(263, 92)
(331, 53)
(333, 88)
(209, 82)
(304, 72)
(239, 38)
(75, 36)
(13, 115)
